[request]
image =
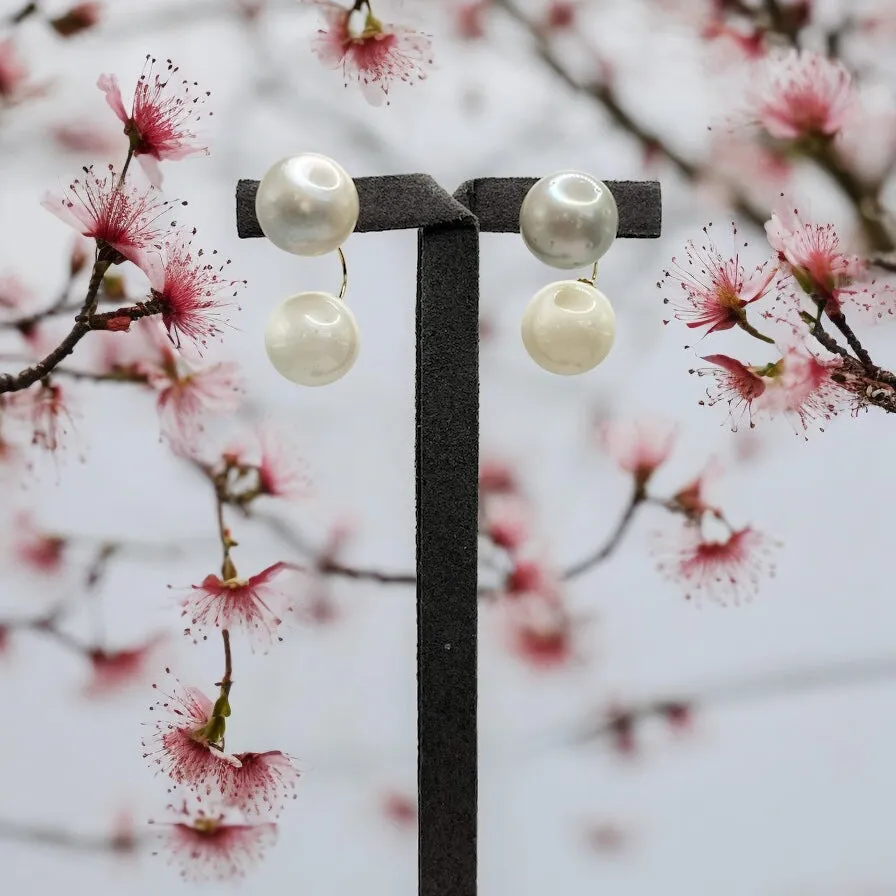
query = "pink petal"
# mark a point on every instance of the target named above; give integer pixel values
(109, 85)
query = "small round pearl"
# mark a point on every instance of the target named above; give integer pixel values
(307, 204)
(568, 328)
(312, 338)
(569, 219)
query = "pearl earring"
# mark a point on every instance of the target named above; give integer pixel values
(569, 220)
(308, 205)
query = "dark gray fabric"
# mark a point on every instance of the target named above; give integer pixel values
(447, 462)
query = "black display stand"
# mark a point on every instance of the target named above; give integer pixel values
(447, 457)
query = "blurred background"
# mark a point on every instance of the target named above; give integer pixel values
(785, 788)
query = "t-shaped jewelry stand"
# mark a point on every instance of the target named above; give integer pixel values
(447, 460)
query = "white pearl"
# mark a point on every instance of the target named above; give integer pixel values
(569, 327)
(312, 338)
(307, 204)
(569, 219)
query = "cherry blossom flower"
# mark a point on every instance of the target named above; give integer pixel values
(801, 94)
(640, 447)
(497, 477)
(187, 397)
(734, 161)
(121, 217)
(80, 17)
(40, 552)
(716, 288)
(813, 254)
(469, 19)
(189, 290)
(255, 605)
(14, 294)
(540, 630)
(318, 604)
(400, 809)
(260, 784)
(691, 499)
(728, 571)
(559, 16)
(44, 409)
(528, 576)
(735, 383)
(179, 745)
(374, 56)
(282, 472)
(505, 521)
(13, 72)
(208, 847)
(159, 124)
(801, 387)
(112, 671)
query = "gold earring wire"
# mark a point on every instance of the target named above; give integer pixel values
(344, 287)
(592, 279)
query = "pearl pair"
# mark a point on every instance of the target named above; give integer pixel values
(569, 220)
(308, 205)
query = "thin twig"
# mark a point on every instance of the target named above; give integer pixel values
(602, 553)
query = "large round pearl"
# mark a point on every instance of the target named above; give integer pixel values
(312, 338)
(569, 219)
(307, 204)
(569, 327)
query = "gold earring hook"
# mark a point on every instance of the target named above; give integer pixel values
(344, 286)
(592, 279)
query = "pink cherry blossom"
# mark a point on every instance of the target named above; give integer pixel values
(801, 387)
(161, 116)
(113, 671)
(188, 397)
(40, 552)
(540, 630)
(122, 217)
(400, 809)
(692, 497)
(813, 253)
(208, 847)
(801, 94)
(638, 447)
(13, 72)
(282, 472)
(715, 287)
(189, 289)
(14, 294)
(374, 56)
(178, 745)
(260, 784)
(728, 571)
(497, 477)
(45, 412)
(255, 605)
(506, 521)
(735, 384)
(559, 16)
(469, 18)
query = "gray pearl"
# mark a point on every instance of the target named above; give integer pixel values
(569, 219)
(307, 204)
